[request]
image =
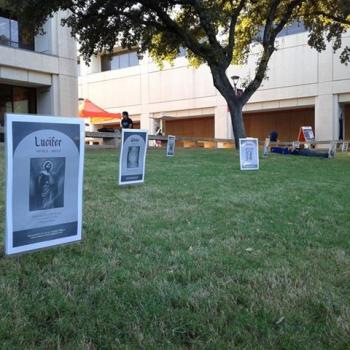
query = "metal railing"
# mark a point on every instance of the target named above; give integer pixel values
(112, 139)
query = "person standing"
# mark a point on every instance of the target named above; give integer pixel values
(158, 143)
(126, 122)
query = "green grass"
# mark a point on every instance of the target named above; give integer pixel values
(200, 256)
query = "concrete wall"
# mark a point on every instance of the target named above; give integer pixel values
(298, 77)
(51, 68)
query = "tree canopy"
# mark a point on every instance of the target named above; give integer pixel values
(215, 32)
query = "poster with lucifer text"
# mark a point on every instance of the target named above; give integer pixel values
(44, 181)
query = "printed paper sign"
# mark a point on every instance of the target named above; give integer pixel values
(332, 150)
(133, 156)
(249, 154)
(345, 146)
(266, 147)
(170, 149)
(44, 181)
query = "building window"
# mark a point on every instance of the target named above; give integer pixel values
(294, 28)
(182, 52)
(16, 99)
(14, 34)
(119, 61)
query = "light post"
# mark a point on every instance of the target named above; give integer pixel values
(235, 79)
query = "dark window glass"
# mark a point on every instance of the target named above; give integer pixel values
(182, 52)
(294, 28)
(134, 60)
(124, 61)
(16, 99)
(105, 63)
(13, 34)
(119, 61)
(26, 38)
(4, 31)
(115, 62)
(5, 101)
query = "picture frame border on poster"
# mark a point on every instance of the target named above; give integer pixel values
(8, 151)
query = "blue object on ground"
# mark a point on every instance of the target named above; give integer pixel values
(309, 153)
(280, 150)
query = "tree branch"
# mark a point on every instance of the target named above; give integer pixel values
(268, 45)
(287, 14)
(206, 24)
(190, 42)
(231, 37)
(332, 17)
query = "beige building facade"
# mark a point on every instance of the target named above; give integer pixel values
(303, 88)
(38, 74)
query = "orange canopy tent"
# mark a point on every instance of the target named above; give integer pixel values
(97, 115)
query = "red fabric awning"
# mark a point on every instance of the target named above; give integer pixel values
(87, 109)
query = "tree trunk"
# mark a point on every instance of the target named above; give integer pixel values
(235, 106)
(237, 120)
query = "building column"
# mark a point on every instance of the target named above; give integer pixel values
(223, 125)
(146, 122)
(327, 114)
(48, 98)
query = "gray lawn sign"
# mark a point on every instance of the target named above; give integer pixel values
(133, 156)
(170, 149)
(249, 153)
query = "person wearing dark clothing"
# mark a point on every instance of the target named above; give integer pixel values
(126, 122)
(274, 136)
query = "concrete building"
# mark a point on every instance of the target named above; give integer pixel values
(38, 74)
(304, 88)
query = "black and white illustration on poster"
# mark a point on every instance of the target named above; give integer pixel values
(249, 154)
(170, 149)
(44, 182)
(133, 156)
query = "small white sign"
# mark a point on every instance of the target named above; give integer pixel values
(249, 153)
(295, 145)
(345, 146)
(133, 156)
(44, 181)
(309, 134)
(332, 150)
(266, 147)
(170, 149)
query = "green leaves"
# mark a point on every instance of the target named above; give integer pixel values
(213, 31)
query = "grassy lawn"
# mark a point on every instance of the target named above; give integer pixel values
(201, 256)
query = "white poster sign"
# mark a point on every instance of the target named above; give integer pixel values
(345, 146)
(249, 153)
(266, 147)
(332, 150)
(308, 133)
(170, 149)
(133, 156)
(44, 181)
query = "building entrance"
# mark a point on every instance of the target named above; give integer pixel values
(16, 99)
